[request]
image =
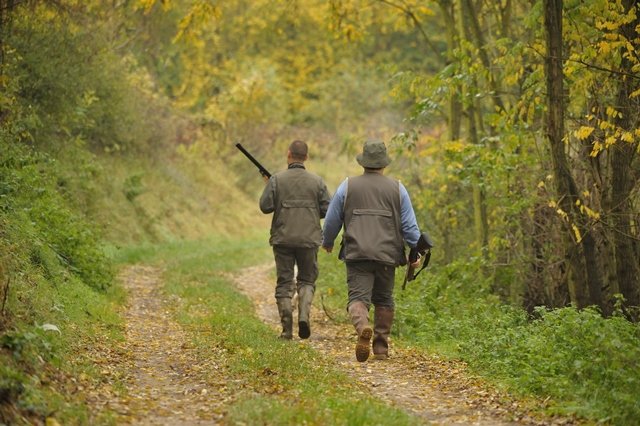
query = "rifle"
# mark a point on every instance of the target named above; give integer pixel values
(422, 249)
(264, 172)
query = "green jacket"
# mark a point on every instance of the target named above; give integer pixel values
(298, 200)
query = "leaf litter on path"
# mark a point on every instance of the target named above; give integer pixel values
(432, 388)
(167, 381)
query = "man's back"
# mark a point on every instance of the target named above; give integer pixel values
(372, 219)
(298, 200)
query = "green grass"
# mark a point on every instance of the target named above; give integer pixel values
(42, 371)
(580, 363)
(59, 297)
(275, 381)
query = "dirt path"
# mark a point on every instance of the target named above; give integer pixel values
(433, 389)
(167, 381)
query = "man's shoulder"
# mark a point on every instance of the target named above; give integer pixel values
(298, 173)
(312, 175)
(375, 176)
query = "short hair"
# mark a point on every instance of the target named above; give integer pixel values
(298, 150)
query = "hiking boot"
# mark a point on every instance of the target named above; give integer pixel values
(305, 297)
(360, 320)
(382, 321)
(286, 317)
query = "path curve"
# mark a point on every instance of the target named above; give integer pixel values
(431, 388)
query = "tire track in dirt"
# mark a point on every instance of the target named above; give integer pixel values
(433, 389)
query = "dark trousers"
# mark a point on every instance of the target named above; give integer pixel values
(306, 259)
(371, 282)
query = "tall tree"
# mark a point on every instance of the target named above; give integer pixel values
(580, 245)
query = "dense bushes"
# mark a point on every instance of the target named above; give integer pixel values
(34, 212)
(586, 364)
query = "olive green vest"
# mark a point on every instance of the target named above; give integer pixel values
(372, 226)
(296, 218)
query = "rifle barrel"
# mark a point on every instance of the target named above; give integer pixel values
(264, 172)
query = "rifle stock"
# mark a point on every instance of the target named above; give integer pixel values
(264, 172)
(422, 249)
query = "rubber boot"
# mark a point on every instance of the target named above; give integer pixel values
(286, 317)
(305, 297)
(360, 319)
(382, 321)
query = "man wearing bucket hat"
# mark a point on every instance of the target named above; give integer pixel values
(378, 218)
(298, 200)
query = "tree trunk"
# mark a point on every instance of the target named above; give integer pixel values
(565, 185)
(455, 106)
(623, 156)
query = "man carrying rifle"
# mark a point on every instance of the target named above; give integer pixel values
(298, 200)
(378, 218)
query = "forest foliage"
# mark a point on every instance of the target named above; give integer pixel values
(514, 126)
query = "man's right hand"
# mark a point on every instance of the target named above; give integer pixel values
(327, 249)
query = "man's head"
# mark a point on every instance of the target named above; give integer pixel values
(374, 155)
(298, 151)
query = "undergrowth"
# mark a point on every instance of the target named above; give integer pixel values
(581, 363)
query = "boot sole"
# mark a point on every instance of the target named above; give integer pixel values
(363, 347)
(303, 330)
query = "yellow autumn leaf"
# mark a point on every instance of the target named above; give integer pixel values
(604, 47)
(597, 149)
(607, 25)
(583, 132)
(576, 232)
(455, 146)
(610, 141)
(611, 112)
(590, 213)
(627, 137)
(562, 214)
(425, 11)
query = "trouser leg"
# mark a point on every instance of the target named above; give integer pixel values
(286, 317)
(307, 261)
(360, 279)
(382, 299)
(285, 261)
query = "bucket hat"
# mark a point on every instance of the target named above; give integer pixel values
(374, 155)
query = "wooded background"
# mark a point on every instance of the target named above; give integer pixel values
(513, 124)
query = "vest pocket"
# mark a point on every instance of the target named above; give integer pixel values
(371, 235)
(292, 204)
(372, 212)
(298, 223)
